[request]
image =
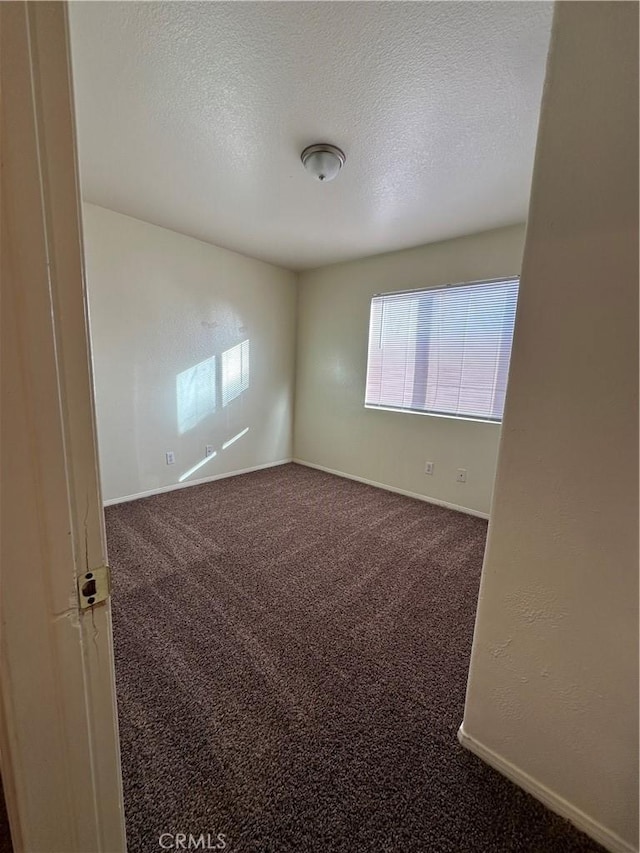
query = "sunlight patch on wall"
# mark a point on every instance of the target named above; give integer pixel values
(197, 466)
(235, 438)
(196, 394)
(235, 372)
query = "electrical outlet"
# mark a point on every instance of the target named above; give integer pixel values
(428, 467)
(461, 475)
(171, 457)
(208, 451)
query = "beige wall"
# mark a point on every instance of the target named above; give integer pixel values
(332, 427)
(162, 303)
(553, 687)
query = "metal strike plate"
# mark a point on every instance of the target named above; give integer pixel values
(94, 587)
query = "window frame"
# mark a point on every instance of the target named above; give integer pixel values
(416, 290)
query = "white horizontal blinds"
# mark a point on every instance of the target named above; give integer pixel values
(444, 350)
(392, 336)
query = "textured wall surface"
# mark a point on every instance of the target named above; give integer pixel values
(165, 309)
(435, 104)
(553, 686)
(332, 427)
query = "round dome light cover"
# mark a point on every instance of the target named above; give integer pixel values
(323, 161)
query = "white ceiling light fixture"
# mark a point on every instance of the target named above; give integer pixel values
(323, 161)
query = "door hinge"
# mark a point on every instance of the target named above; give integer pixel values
(94, 587)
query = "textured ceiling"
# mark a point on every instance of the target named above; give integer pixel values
(193, 115)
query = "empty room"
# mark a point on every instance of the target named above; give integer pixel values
(339, 314)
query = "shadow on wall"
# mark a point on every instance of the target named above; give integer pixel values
(211, 386)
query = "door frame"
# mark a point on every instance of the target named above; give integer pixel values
(58, 723)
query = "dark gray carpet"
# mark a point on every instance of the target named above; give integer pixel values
(291, 658)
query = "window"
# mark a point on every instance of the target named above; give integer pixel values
(444, 350)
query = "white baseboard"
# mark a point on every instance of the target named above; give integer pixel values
(199, 482)
(419, 497)
(608, 839)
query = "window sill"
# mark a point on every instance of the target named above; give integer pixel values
(449, 417)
